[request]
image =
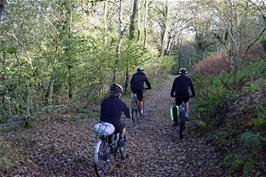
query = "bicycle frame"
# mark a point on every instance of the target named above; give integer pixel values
(135, 106)
(105, 153)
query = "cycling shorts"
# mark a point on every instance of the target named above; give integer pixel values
(119, 127)
(179, 101)
(139, 94)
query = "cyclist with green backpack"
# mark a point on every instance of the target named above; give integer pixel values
(180, 90)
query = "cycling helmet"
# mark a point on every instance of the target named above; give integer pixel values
(140, 69)
(116, 88)
(183, 71)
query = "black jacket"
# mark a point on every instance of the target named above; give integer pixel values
(180, 87)
(111, 110)
(137, 81)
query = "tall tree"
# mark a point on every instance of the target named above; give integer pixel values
(145, 23)
(121, 31)
(131, 36)
(164, 27)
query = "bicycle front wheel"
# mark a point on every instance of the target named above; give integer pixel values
(102, 158)
(122, 150)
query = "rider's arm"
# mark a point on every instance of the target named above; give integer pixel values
(125, 109)
(147, 83)
(173, 90)
(192, 89)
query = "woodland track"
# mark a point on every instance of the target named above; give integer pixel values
(59, 147)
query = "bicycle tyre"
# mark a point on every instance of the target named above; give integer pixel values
(134, 110)
(182, 122)
(102, 163)
(132, 115)
(122, 150)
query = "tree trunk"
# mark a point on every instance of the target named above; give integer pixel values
(70, 65)
(145, 23)
(105, 20)
(132, 20)
(138, 15)
(234, 53)
(131, 37)
(49, 93)
(164, 29)
(2, 6)
(119, 43)
(29, 100)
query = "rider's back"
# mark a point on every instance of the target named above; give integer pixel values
(111, 110)
(137, 81)
(181, 86)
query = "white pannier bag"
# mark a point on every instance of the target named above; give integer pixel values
(103, 128)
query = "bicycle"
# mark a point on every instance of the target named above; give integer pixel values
(106, 150)
(179, 115)
(134, 107)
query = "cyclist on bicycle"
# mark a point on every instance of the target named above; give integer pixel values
(180, 90)
(111, 111)
(137, 87)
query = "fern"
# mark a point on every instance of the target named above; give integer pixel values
(251, 141)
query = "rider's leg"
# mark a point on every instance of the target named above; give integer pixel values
(186, 105)
(140, 102)
(186, 109)
(122, 133)
(131, 101)
(141, 107)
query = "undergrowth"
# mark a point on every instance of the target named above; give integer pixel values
(242, 142)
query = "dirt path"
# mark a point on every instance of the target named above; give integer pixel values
(57, 147)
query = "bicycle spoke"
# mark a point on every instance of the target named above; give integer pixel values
(103, 159)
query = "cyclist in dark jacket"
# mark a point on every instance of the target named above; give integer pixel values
(112, 108)
(137, 86)
(180, 90)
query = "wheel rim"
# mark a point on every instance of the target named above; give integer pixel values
(102, 160)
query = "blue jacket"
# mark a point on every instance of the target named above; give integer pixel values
(111, 110)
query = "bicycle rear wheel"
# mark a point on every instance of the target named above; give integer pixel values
(134, 109)
(182, 122)
(103, 158)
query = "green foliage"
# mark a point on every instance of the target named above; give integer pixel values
(252, 87)
(175, 69)
(262, 112)
(240, 165)
(249, 166)
(11, 50)
(209, 95)
(8, 157)
(167, 63)
(251, 141)
(263, 42)
(223, 141)
(257, 122)
(5, 163)
(212, 90)
(200, 124)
